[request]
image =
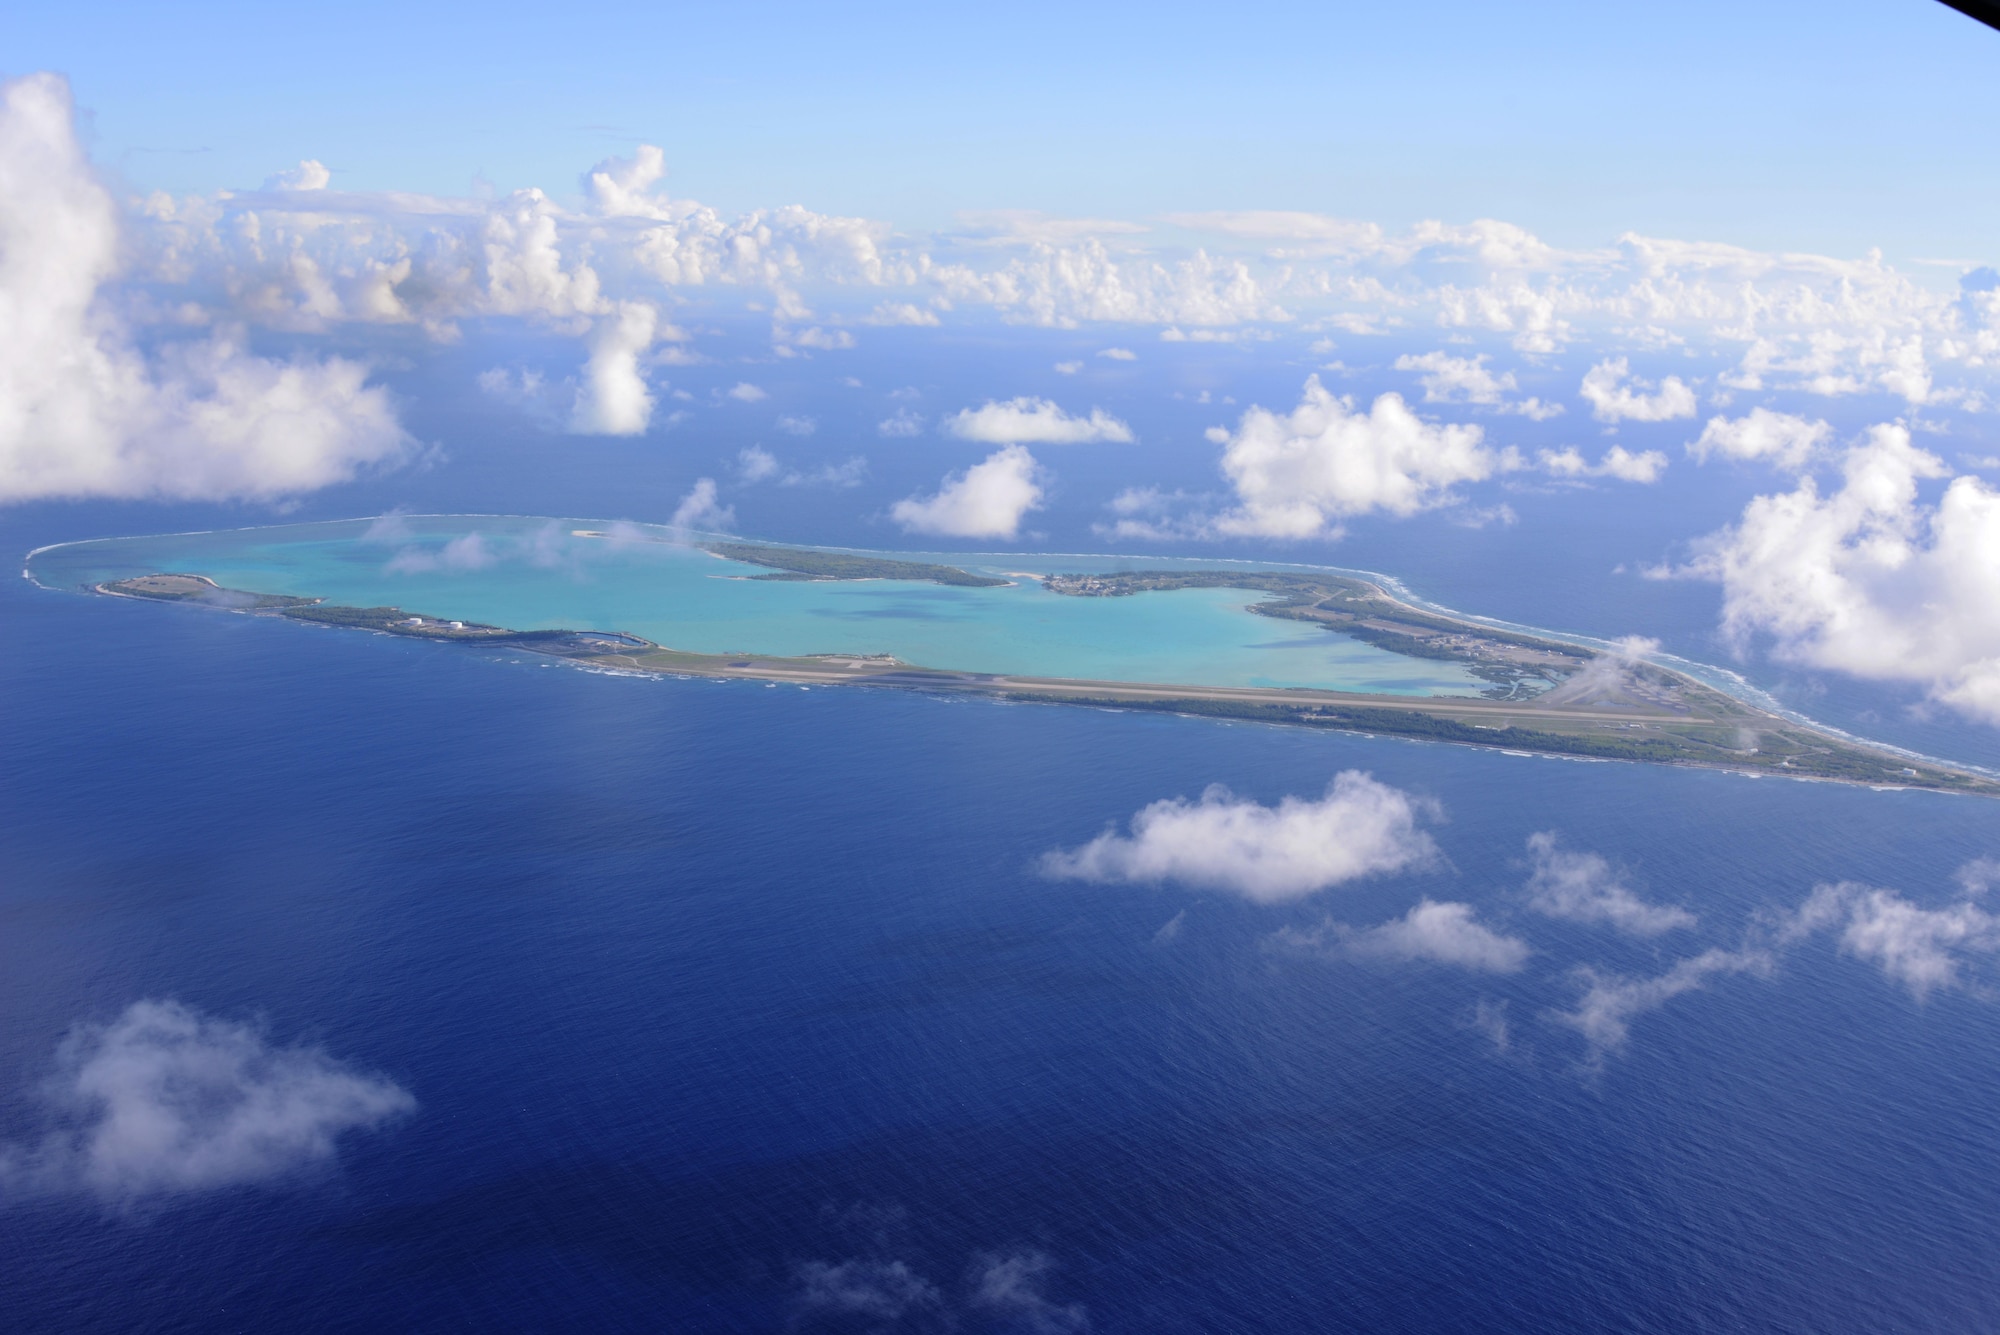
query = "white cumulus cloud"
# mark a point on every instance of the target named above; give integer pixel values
(1870, 580)
(1432, 932)
(987, 500)
(1449, 379)
(84, 413)
(1610, 1002)
(1618, 462)
(310, 174)
(1358, 827)
(701, 510)
(1785, 440)
(614, 399)
(1298, 474)
(1923, 949)
(165, 1101)
(1613, 400)
(1583, 887)
(1032, 421)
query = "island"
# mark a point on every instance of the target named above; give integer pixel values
(807, 563)
(1544, 696)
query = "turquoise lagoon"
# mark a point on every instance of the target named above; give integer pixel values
(535, 573)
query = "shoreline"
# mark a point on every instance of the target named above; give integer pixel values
(1636, 710)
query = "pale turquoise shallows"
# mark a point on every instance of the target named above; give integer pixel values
(534, 574)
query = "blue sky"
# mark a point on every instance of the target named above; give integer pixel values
(1830, 127)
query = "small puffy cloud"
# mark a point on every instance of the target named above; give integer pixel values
(902, 423)
(1869, 580)
(1432, 932)
(467, 552)
(1787, 441)
(1298, 474)
(1610, 1002)
(745, 392)
(1449, 379)
(621, 187)
(1001, 1291)
(865, 1290)
(310, 174)
(1068, 368)
(847, 473)
(165, 1101)
(699, 510)
(523, 389)
(84, 413)
(1583, 887)
(1119, 354)
(1357, 828)
(1011, 1287)
(1034, 422)
(1613, 400)
(1618, 462)
(902, 313)
(826, 340)
(755, 464)
(987, 500)
(1151, 515)
(1978, 876)
(797, 426)
(1920, 948)
(614, 399)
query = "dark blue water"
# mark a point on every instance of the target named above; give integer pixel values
(702, 986)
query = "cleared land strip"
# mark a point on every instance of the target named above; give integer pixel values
(979, 683)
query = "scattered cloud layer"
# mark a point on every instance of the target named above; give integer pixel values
(1028, 421)
(165, 1101)
(126, 368)
(987, 500)
(1358, 827)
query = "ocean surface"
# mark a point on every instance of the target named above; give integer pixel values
(717, 997)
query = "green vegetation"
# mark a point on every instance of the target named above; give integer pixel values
(800, 563)
(200, 589)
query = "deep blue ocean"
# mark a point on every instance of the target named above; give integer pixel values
(705, 990)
